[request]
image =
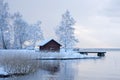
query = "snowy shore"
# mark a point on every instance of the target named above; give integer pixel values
(32, 54)
(12, 58)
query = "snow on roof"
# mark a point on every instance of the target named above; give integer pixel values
(44, 42)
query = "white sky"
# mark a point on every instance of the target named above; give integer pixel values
(97, 21)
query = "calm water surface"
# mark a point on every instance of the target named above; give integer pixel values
(106, 68)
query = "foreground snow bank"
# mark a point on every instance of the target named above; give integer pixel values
(2, 71)
(17, 63)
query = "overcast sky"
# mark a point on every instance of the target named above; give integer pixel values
(97, 21)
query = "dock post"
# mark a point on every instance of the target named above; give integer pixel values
(100, 54)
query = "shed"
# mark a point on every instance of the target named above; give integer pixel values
(50, 46)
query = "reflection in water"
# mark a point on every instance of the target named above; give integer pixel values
(50, 66)
(47, 71)
(50, 70)
(84, 69)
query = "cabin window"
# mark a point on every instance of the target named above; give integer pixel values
(52, 49)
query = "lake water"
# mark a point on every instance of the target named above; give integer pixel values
(106, 68)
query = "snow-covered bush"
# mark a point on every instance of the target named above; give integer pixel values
(19, 65)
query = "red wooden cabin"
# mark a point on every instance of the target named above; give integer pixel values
(50, 46)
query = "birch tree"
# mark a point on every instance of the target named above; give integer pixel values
(19, 30)
(65, 31)
(4, 16)
(34, 34)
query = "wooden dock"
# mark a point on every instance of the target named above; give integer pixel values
(99, 53)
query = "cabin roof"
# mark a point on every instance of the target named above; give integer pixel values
(42, 43)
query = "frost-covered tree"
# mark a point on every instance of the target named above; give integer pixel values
(22, 34)
(19, 30)
(15, 31)
(34, 35)
(4, 16)
(11, 33)
(65, 31)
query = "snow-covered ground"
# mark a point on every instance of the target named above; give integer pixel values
(32, 54)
